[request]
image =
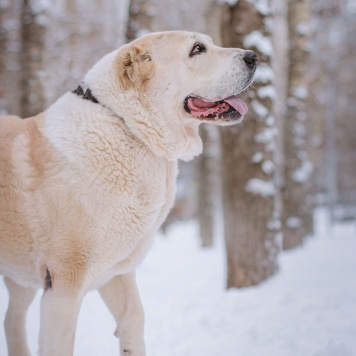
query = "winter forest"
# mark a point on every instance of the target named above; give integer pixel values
(257, 256)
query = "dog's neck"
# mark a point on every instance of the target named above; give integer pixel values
(165, 137)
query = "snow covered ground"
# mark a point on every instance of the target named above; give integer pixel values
(308, 308)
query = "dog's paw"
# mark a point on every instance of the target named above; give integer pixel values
(128, 351)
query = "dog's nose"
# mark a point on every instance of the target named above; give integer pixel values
(250, 59)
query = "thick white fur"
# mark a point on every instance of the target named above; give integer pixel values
(85, 186)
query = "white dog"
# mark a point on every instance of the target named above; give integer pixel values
(85, 185)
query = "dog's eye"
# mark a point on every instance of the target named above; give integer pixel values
(198, 48)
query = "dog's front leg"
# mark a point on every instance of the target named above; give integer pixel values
(20, 299)
(123, 300)
(60, 306)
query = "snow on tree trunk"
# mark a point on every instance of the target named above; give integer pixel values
(250, 197)
(297, 218)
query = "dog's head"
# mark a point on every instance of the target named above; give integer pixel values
(166, 84)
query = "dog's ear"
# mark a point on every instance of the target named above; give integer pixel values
(135, 67)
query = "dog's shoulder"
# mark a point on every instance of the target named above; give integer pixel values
(23, 149)
(9, 126)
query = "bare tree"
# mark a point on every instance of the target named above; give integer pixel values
(251, 217)
(332, 105)
(2, 56)
(76, 37)
(208, 185)
(344, 50)
(33, 34)
(10, 49)
(47, 49)
(297, 218)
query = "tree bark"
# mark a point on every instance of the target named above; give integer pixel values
(345, 109)
(86, 34)
(33, 32)
(10, 49)
(250, 197)
(208, 191)
(50, 46)
(209, 183)
(2, 57)
(297, 219)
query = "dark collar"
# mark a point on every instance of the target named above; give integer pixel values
(85, 95)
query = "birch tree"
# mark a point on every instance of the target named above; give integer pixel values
(250, 197)
(297, 200)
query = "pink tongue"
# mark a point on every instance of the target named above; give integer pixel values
(237, 104)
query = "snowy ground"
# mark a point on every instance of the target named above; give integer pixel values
(308, 308)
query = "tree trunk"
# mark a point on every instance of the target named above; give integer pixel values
(250, 197)
(50, 46)
(2, 57)
(345, 109)
(209, 192)
(33, 32)
(207, 185)
(10, 50)
(297, 218)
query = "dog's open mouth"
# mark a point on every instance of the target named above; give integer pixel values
(229, 109)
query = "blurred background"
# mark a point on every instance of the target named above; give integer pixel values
(257, 183)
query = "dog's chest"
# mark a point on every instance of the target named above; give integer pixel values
(126, 216)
